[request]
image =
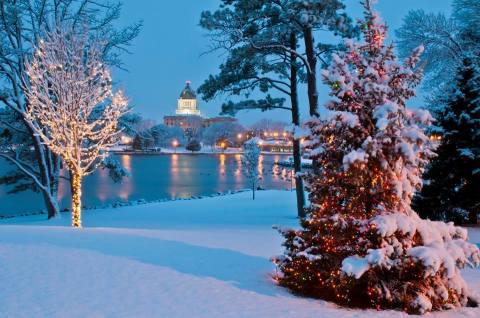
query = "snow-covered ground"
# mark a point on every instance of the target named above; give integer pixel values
(194, 258)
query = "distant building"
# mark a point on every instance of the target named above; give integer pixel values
(187, 103)
(183, 121)
(188, 115)
(275, 145)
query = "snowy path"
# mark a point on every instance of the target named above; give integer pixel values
(199, 258)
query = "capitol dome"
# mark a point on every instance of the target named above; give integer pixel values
(188, 92)
(187, 103)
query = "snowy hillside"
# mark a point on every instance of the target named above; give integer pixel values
(198, 258)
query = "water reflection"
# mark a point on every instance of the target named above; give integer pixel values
(238, 171)
(260, 165)
(127, 163)
(174, 171)
(127, 186)
(103, 178)
(156, 177)
(222, 163)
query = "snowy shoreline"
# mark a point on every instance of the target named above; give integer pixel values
(120, 204)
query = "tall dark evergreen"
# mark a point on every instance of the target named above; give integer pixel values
(452, 187)
(262, 39)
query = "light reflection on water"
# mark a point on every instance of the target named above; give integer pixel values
(157, 177)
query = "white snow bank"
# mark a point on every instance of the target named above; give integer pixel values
(198, 258)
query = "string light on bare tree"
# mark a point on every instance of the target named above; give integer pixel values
(71, 104)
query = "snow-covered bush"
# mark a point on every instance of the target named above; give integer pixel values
(193, 146)
(362, 245)
(250, 159)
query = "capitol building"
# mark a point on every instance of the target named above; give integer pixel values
(188, 114)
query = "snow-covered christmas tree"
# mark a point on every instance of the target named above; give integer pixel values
(362, 245)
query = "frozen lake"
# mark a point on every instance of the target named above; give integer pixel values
(156, 177)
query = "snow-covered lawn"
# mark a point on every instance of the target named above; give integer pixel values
(197, 258)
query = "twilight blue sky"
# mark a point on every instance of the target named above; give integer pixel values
(169, 51)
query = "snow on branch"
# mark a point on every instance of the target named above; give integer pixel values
(71, 106)
(68, 93)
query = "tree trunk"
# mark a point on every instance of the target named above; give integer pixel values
(76, 199)
(253, 191)
(297, 153)
(473, 216)
(48, 176)
(312, 72)
(51, 204)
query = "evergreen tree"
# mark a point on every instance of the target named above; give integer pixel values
(193, 145)
(453, 178)
(250, 160)
(137, 143)
(262, 39)
(362, 245)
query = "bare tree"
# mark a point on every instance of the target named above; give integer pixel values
(69, 88)
(447, 41)
(22, 24)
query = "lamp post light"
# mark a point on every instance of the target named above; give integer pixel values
(126, 141)
(240, 139)
(175, 145)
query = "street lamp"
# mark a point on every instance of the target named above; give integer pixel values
(175, 145)
(240, 138)
(126, 140)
